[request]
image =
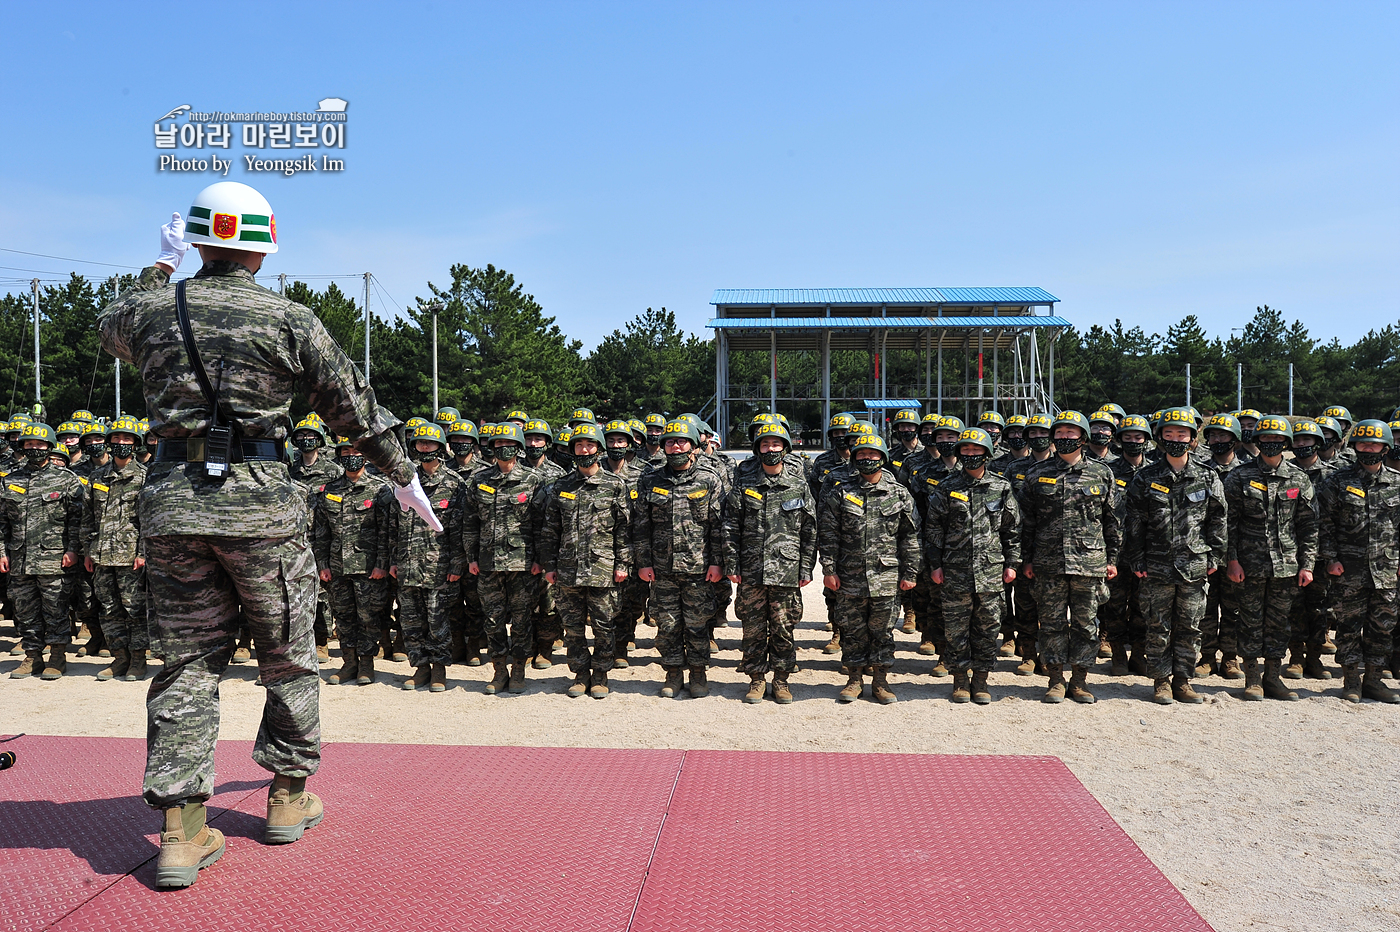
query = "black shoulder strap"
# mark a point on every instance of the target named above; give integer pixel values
(183, 315)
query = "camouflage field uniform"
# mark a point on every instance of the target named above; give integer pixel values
(111, 539)
(1221, 624)
(678, 531)
(632, 595)
(972, 533)
(314, 478)
(1024, 618)
(1360, 518)
(213, 545)
(1175, 532)
(868, 535)
(586, 537)
(499, 535)
(770, 543)
(1311, 620)
(1273, 534)
(83, 603)
(1069, 535)
(468, 619)
(353, 535)
(1121, 617)
(41, 517)
(924, 482)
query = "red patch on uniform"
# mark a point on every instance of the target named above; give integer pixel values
(52, 496)
(368, 502)
(522, 497)
(321, 489)
(1292, 493)
(442, 504)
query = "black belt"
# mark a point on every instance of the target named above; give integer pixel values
(192, 451)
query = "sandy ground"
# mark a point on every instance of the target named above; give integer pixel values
(1265, 815)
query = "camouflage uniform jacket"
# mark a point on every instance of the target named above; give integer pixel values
(868, 534)
(1175, 523)
(587, 530)
(1272, 519)
(257, 347)
(926, 480)
(466, 469)
(1123, 473)
(822, 467)
(425, 557)
(501, 518)
(351, 535)
(678, 526)
(1002, 463)
(900, 458)
(316, 476)
(1360, 519)
(972, 532)
(548, 469)
(111, 528)
(86, 466)
(1069, 517)
(908, 464)
(1108, 455)
(41, 519)
(770, 528)
(800, 464)
(653, 460)
(1016, 472)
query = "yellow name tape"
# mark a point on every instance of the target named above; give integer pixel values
(1161, 488)
(855, 500)
(569, 495)
(100, 487)
(1360, 493)
(1258, 485)
(331, 497)
(1049, 480)
(15, 488)
(752, 494)
(486, 488)
(1122, 483)
(960, 496)
(660, 491)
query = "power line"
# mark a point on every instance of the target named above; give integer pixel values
(40, 255)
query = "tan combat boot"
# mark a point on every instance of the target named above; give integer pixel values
(1206, 665)
(1119, 664)
(880, 687)
(1078, 685)
(289, 816)
(400, 654)
(500, 679)
(420, 678)
(1182, 691)
(437, 682)
(1293, 670)
(699, 686)
(929, 649)
(582, 680)
(473, 652)
(1351, 682)
(757, 687)
(1312, 664)
(1230, 669)
(323, 654)
(241, 653)
(1253, 681)
(517, 679)
(981, 694)
(1373, 686)
(834, 645)
(961, 692)
(1105, 649)
(671, 689)
(544, 657)
(852, 690)
(349, 670)
(183, 855)
(121, 661)
(1162, 690)
(1273, 686)
(939, 670)
(137, 670)
(34, 660)
(781, 693)
(599, 689)
(910, 625)
(1056, 691)
(1008, 647)
(366, 670)
(1027, 666)
(620, 661)
(58, 662)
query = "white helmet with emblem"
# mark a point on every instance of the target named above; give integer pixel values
(234, 216)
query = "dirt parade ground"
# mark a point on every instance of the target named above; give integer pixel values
(1270, 815)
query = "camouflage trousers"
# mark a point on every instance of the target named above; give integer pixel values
(356, 602)
(41, 609)
(768, 614)
(724, 595)
(1026, 616)
(631, 606)
(1266, 607)
(466, 615)
(121, 592)
(549, 623)
(867, 629)
(322, 627)
(1069, 623)
(1365, 619)
(582, 606)
(196, 585)
(423, 618)
(1312, 611)
(683, 607)
(1172, 614)
(971, 621)
(83, 601)
(1121, 618)
(509, 599)
(1220, 628)
(928, 613)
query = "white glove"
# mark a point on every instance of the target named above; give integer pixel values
(172, 242)
(411, 496)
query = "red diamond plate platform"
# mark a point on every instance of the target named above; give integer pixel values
(539, 839)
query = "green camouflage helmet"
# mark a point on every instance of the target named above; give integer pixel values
(1071, 419)
(1103, 417)
(1176, 417)
(1115, 409)
(1307, 427)
(96, 427)
(758, 421)
(82, 416)
(316, 428)
(1330, 423)
(1372, 430)
(1248, 412)
(426, 431)
(70, 427)
(871, 441)
(840, 422)
(509, 432)
(581, 416)
(1017, 420)
(447, 416)
(772, 430)
(537, 426)
(1196, 416)
(518, 415)
(412, 423)
(126, 424)
(1134, 422)
(639, 430)
(1040, 419)
(906, 416)
(462, 429)
(618, 426)
(587, 430)
(949, 422)
(563, 438)
(37, 430)
(978, 436)
(656, 420)
(991, 417)
(1274, 424)
(682, 429)
(1230, 423)
(1341, 414)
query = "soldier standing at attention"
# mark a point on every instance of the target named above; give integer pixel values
(1069, 541)
(547, 623)
(1027, 619)
(1220, 627)
(971, 551)
(1175, 538)
(1360, 506)
(1312, 613)
(1121, 616)
(868, 534)
(923, 482)
(313, 470)
(223, 523)
(1013, 439)
(114, 557)
(770, 547)
(652, 456)
(466, 618)
(585, 549)
(632, 592)
(1273, 547)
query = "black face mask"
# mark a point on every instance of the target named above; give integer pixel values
(1246, 434)
(1101, 440)
(1221, 448)
(462, 448)
(906, 436)
(508, 452)
(1272, 447)
(1369, 459)
(771, 458)
(1134, 448)
(1038, 444)
(94, 450)
(306, 444)
(1174, 447)
(947, 447)
(534, 454)
(564, 460)
(653, 440)
(617, 454)
(869, 467)
(678, 461)
(585, 460)
(973, 461)
(1306, 452)
(1015, 441)
(436, 454)
(1068, 444)
(4, 445)
(123, 451)
(353, 463)
(36, 458)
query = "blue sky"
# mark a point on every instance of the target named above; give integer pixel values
(1139, 160)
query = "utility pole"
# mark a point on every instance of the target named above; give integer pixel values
(1290, 389)
(38, 395)
(367, 331)
(1239, 386)
(1188, 385)
(282, 283)
(118, 362)
(435, 306)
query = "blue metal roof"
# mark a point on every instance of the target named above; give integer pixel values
(892, 403)
(768, 297)
(882, 323)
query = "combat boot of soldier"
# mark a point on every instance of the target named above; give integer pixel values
(1312, 664)
(671, 689)
(366, 671)
(1273, 686)
(582, 680)
(1293, 670)
(1119, 663)
(1162, 690)
(516, 683)
(33, 660)
(1056, 690)
(121, 661)
(928, 649)
(349, 670)
(781, 693)
(241, 653)
(620, 656)
(420, 678)
(1253, 681)
(459, 646)
(1105, 649)
(1027, 666)
(438, 678)
(852, 690)
(961, 690)
(290, 810)
(910, 625)
(757, 687)
(323, 654)
(1230, 668)
(1079, 686)
(400, 655)
(940, 669)
(1351, 682)
(981, 693)
(1182, 691)
(1373, 687)
(386, 643)
(474, 646)
(543, 659)
(834, 645)
(183, 854)
(137, 670)
(1008, 647)
(58, 663)
(1328, 647)
(1137, 663)
(600, 688)
(880, 687)
(699, 685)
(500, 678)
